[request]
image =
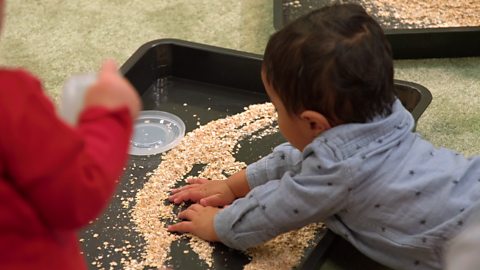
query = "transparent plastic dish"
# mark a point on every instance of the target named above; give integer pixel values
(156, 132)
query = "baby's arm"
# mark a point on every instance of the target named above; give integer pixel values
(284, 158)
(282, 205)
(270, 209)
(223, 192)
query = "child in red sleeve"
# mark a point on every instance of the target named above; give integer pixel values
(54, 178)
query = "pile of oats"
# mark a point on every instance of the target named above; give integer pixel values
(427, 14)
(285, 251)
(399, 14)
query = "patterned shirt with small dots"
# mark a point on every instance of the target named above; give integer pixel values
(393, 195)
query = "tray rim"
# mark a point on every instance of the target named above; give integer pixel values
(425, 100)
(139, 53)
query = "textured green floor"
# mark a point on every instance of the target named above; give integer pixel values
(54, 39)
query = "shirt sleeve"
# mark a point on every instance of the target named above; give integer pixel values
(66, 174)
(283, 158)
(291, 202)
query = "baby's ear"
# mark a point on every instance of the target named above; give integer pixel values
(317, 122)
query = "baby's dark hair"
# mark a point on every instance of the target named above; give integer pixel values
(336, 61)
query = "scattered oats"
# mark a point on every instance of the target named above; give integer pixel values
(430, 14)
(203, 248)
(413, 14)
(212, 145)
(125, 204)
(95, 235)
(283, 252)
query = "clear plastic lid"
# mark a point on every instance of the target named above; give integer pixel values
(156, 132)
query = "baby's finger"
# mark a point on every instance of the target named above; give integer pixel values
(177, 190)
(187, 214)
(193, 195)
(178, 197)
(175, 199)
(195, 207)
(183, 227)
(214, 200)
(197, 180)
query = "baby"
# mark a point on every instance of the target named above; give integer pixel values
(351, 161)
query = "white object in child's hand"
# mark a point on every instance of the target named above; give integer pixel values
(73, 95)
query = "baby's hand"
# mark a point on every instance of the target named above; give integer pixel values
(112, 91)
(203, 191)
(199, 222)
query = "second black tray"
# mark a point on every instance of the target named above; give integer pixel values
(441, 42)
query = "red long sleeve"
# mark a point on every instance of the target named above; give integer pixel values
(54, 179)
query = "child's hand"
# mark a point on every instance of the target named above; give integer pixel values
(199, 222)
(112, 91)
(203, 191)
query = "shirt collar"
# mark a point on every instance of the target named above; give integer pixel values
(347, 139)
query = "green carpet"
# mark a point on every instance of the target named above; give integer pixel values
(54, 39)
(453, 118)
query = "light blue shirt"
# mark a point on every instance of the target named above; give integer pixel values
(390, 193)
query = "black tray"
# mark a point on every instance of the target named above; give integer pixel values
(441, 42)
(213, 82)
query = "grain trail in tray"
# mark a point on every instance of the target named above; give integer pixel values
(209, 152)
